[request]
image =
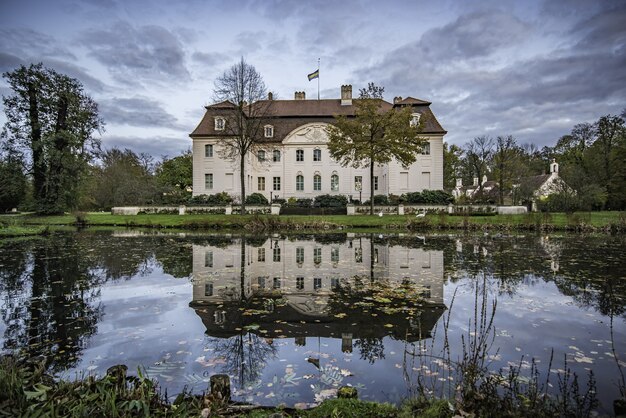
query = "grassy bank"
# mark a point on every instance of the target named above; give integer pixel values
(584, 221)
(26, 390)
(8, 231)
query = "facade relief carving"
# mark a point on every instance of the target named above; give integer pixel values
(308, 134)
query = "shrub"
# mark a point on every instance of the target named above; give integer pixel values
(431, 197)
(299, 203)
(395, 200)
(559, 202)
(381, 199)
(256, 199)
(330, 201)
(218, 199)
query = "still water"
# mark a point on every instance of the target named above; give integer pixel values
(290, 318)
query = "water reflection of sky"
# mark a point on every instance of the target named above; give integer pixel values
(148, 322)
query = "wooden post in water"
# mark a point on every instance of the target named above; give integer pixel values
(220, 386)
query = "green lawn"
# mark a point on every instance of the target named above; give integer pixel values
(555, 220)
(21, 231)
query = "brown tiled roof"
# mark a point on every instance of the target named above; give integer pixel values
(287, 115)
(413, 101)
(534, 182)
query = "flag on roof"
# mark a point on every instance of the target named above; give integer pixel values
(315, 74)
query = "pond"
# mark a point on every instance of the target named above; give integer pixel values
(290, 318)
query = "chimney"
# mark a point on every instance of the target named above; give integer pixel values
(554, 167)
(270, 96)
(397, 99)
(299, 95)
(484, 179)
(459, 183)
(346, 95)
(476, 181)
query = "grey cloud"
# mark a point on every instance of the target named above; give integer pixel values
(474, 35)
(9, 62)
(251, 41)
(76, 72)
(149, 51)
(606, 30)
(27, 42)
(210, 59)
(154, 145)
(137, 111)
(538, 98)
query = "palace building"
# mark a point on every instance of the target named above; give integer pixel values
(294, 160)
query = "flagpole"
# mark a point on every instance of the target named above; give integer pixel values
(318, 79)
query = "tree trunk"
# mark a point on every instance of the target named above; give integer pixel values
(371, 186)
(55, 174)
(39, 168)
(242, 276)
(242, 178)
(372, 251)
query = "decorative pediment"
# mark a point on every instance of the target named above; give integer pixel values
(311, 133)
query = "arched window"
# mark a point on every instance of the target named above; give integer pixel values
(334, 182)
(317, 182)
(260, 155)
(300, 182)
(276, 156)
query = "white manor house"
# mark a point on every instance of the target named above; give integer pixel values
(295, 162)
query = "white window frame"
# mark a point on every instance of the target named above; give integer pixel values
(276, 184)
(415, 120)
(260, 184)
(260, 155)
(268, 130)
(299, 183)
(220, 123)
(358, 183)
(317, 183)
(317, 155)
(375, 182)
(299, 155)
(208, 176)
(334, 182)
(276, 155)
(426, 149)
(208, 150)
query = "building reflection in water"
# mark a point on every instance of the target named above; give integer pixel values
(291, 288)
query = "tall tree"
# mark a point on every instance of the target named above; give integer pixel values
(13, 181)
(452, 165)
(478, 154)
(374, 136)
(174, 175)
(610, 137)
(50, 117)
(504, 158)
(123, 178)
(243, 86)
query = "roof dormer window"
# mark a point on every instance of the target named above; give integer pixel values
(415, 120)
(269, 131)
(220, 123)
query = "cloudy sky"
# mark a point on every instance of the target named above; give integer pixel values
(530, 68)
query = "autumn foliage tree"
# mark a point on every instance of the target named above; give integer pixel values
(374, 135)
